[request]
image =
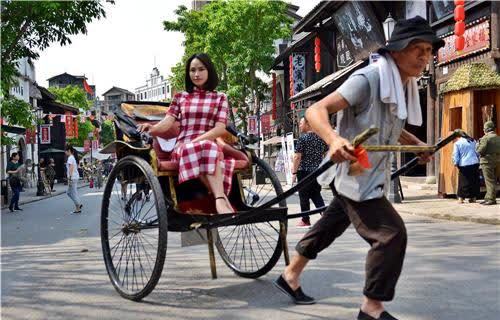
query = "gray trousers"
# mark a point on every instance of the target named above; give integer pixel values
(73, 192)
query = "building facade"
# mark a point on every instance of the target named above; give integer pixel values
(114, 97)
(157, 88)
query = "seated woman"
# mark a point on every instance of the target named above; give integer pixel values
(202, 113)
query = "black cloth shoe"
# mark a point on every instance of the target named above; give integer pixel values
(383, 316)
(18, 209)
(11, 210)
(298, 296)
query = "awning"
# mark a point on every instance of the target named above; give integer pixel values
(273, 140)
(320, 87)
(13, 129)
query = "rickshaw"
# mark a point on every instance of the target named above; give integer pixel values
(143, 202)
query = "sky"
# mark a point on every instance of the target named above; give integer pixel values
(122, 49)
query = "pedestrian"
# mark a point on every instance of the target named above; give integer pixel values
(489, 151)
(50, 172)
(372, 95)
(466, 159)
(73, 177)
(202, 112)
(309, 153)
(14, 181)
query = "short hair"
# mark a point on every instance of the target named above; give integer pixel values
(13, 155)
(212, 80)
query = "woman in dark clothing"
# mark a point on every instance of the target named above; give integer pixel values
(466, 160)
(50, 172)
(14, 181)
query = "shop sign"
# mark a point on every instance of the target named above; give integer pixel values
(344, 56)
(45, 134)
(252, 125)
(477, 38)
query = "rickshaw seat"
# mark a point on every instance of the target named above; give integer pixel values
(165, 164)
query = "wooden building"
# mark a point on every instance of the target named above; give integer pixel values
(460, 90)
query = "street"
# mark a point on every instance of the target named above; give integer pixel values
(52, 268)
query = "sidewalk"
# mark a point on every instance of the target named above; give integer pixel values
(29, 195)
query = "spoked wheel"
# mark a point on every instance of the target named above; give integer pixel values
(133, 228)
(251, 250)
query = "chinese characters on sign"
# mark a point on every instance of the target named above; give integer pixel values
(45, 134)
(344, 57)
(476, 38)
(299, 72)
(252, 125)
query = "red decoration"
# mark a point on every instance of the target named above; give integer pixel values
(317, 54)
(459, 28)
(87, 87)
(459, 13)
(459, 43)
(274, 96)
(477, 38)
(291, 75)
(459, 2)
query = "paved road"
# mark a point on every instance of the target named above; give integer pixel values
(452, 271)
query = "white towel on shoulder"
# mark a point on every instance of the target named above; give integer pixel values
(392, 92)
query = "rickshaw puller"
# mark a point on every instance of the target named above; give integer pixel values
(384, 95)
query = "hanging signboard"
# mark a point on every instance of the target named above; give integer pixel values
(265, 123)
(45, 134)
(477, 38)
(299, 72)
(344, 56)
(252, 125)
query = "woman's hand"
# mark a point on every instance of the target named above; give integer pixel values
(424, 157)
(144, 127)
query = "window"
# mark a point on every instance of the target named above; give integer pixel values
(163, 90)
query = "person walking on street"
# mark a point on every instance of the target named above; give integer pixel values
(466, 159)
(73, 177)
(50, 172)
(372, 95)
(308, 156)
(14, 181)
(489, 151)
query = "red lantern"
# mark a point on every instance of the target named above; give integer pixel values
(317, 54)
(274, 96)
(459, 43)
(459, 13)
(459, 28)
(459, 2)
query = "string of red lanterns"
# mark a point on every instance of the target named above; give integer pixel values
(291, 79)
(459, 14)
(317, 54)
(274, 96)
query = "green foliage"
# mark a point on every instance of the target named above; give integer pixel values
(239, 37)
(72, 95)
(107, 132)
(83, 131)
(28, 27)
(16, 112)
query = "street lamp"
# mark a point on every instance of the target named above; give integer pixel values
(388, 24)
(393, 195)
(39, 186)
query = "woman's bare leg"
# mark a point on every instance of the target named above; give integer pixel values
(215, 181)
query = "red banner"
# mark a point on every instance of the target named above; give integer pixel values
(477, 38)
(69, 124)
(45, 134)
(252, 124)
(30, 136)
(265, 121)
(274, 96)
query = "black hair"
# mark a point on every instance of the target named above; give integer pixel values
(13, 155)
(212, 80)
(72, 150)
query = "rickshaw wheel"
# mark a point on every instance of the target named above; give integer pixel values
(133, 228)
(252, 250)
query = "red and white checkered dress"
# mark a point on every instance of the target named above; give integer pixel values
(198, 112)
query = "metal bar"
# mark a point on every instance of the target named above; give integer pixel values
(283, 233)
(399, 148)
(413, 162)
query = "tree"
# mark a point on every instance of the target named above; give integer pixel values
(28, 27)
(239, 37)
(107, 132)
(72, 95)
